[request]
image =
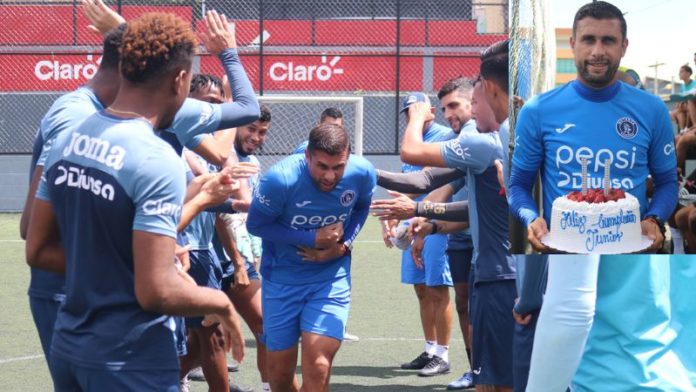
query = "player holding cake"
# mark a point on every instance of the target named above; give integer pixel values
(616, 129)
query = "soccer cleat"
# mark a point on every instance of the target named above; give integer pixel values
(436, 366)
(418, 363)
(196, 374)
(463, 382)
(349, 337)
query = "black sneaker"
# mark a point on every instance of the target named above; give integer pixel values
(418, 363)
(436, 366)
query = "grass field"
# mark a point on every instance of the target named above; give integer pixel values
(384, 315)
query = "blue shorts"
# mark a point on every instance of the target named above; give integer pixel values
(522, 352)
(436, 271)
(180, 336)
(207, 272)
(318, 308)
(493, 325)
(44, 312)
(228, 275)
(460, 264)
(68, 377)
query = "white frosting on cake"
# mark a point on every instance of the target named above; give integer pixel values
(610, 227)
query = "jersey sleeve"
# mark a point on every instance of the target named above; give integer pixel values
(529, 147)
(158, 192)
(473, 152)
(58, 121)
(270, 195)
(194, 120)
(661, 154)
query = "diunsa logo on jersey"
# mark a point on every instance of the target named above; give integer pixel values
(626, 128)
(347, 198)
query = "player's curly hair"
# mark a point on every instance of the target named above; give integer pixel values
(154, 45)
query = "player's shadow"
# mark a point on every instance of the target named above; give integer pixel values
(385, 373)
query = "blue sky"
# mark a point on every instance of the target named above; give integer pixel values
(663, 30)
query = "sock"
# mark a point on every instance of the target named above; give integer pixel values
(430, 348)
(677, 241)
(442, 352)
(265, 387)
(468, 356)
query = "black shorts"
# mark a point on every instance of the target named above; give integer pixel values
(493, 325)
(522, 351)
(460, 264)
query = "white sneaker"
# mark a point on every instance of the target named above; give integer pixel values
(184, 385)
(350, 337)
(463, 382)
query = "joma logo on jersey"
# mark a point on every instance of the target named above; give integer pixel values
(76, 178)
(161, 207)
(316, 220)
(96, 149)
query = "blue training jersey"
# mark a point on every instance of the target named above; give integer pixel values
(201, 229)
(106, 179)
(66, 113)
(462, 239)
(488, 209)
(639, 325)
(622, 124)
(288, 193)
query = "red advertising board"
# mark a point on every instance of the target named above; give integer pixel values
(328, 73)
(46, 72)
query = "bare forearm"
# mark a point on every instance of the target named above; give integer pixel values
(177, 296)
(50, 257)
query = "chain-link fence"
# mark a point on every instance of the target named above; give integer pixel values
(377, 49)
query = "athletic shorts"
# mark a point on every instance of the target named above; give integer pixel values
(493, 325)
(68, 377)
(318, 308)
(436, 271)
(460, 264)
(180, 335)
(207, 272)
(44, 312)
(523, 342)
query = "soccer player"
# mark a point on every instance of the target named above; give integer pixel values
(431, 279)
(106, 213)
(308, 210)
(627, 128)
(46, 289)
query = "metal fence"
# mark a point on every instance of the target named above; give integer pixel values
(378, 49)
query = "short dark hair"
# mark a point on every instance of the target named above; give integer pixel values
(329, 138)
(265, 114)
(154, 45)
(494, 64)
(112, 47)
(331, 112)
(460, 84)
(201, 81)
(600, 10)
(686, 68)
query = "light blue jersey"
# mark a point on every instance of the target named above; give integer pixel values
(638, 327)
(288, 193)
(488, 209)
(201, 230)
(623, 125)
(106, 179)
(688, 86)
(66, 113)
(462, 239)
(433, 134)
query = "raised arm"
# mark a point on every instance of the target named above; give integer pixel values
(419, 182)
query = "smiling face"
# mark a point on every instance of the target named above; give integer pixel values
(598, 45)
(456, 108)
(250, 138)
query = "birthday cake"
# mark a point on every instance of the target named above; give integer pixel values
(596, 221)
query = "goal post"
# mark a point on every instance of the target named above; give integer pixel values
(293, 116)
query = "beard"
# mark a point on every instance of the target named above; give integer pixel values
(598, 80)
